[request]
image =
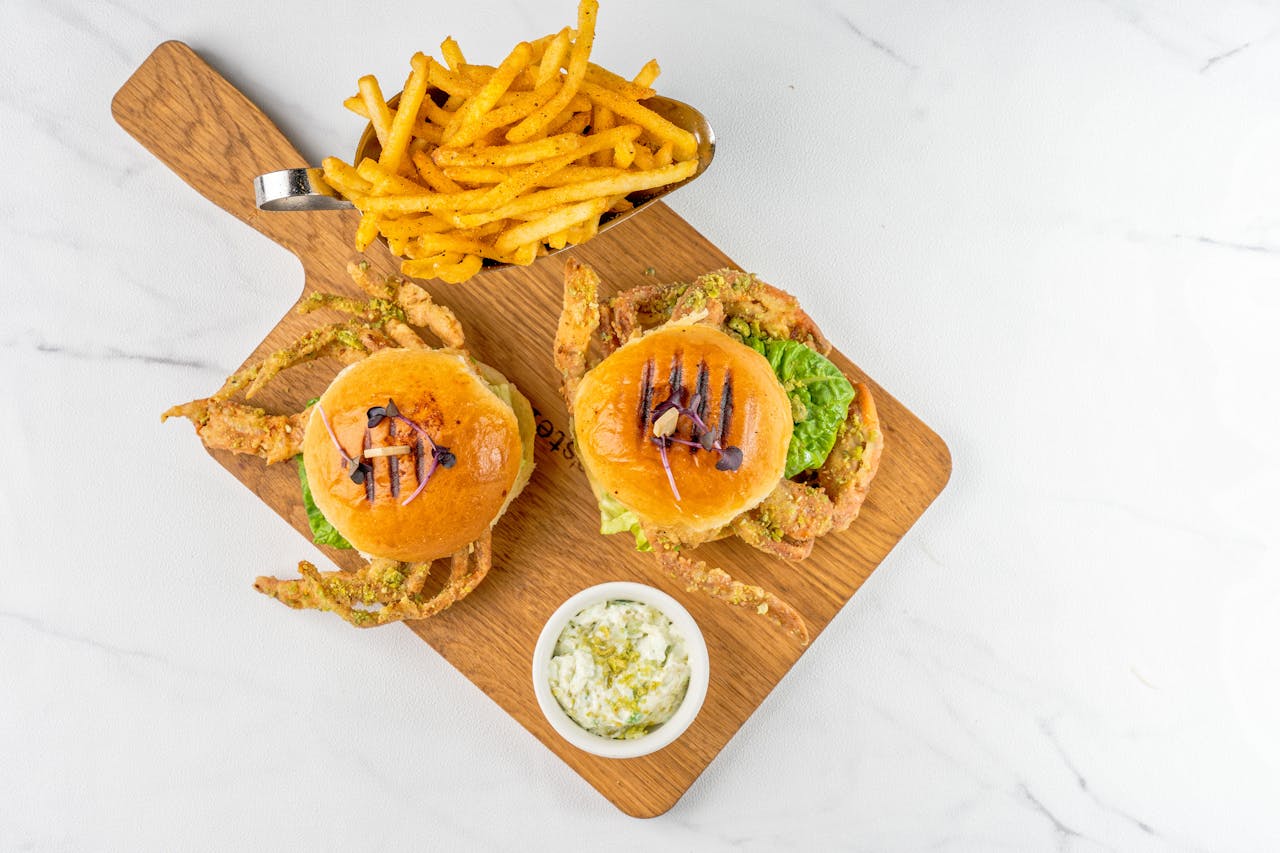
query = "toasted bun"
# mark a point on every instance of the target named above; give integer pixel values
(441, 392)
(614, 436)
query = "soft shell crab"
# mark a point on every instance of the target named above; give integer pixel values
(792, 511)
(370, 458)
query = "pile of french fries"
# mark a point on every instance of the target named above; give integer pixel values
(507, 162)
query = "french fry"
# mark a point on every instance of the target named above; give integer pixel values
(426, 266)
(343, 178)
(624, 184)
(644, 157)
(540, 45)
(523, 81)
(540, 118)
(602, 119)
(367, 230)
(520, 181)
(431, 243)
(460, 271)
(507, 155)
(399, 246)
(376, 105)
(434, 113)
(431, 174)
(478, 174)
(525, 255)
(477, 74)
(553, 57)
(575, 123)
(588, 227)
(616, 83)
(507, 162)
(465, 128)
(578, 174)
(624, 154)
(440, 203)
(517, 108)
(421, 130)
(685, 144)
(384, 180)
(415, 88)
(451, 82)
(452, 53)
(415, 226)
(648, 73)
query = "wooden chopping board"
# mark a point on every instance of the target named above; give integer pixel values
(548, 546)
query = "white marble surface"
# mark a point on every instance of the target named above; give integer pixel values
(1052, 229)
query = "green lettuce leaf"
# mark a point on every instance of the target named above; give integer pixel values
(322, 532)
(820, 396)
(616, 518)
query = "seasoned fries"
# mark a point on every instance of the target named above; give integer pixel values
(504, 163)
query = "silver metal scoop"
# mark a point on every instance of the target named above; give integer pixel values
(306, 189)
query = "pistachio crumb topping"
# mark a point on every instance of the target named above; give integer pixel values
(619, 669)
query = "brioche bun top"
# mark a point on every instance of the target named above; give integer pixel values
(740, 394)
(442, 392)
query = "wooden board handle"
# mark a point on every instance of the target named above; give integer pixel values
(207, 131)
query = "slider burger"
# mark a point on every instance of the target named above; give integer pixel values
(444, 444)
(714, 413)
(410, 455)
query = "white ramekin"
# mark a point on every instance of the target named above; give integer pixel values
(699, 671)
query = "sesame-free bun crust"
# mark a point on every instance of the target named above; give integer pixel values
(615, 444)
(442, 393)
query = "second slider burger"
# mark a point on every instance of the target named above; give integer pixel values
(714, 413)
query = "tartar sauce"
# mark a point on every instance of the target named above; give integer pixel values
(619, 669)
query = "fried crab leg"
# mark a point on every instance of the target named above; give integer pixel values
(224, 425)
(846, 476)
(578, 324)
(380, 322)
(788, 521)
(725, 297)
(382, 591)
(697, 576)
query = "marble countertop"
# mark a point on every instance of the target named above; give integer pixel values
(1051, 229)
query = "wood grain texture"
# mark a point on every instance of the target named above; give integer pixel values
(547, 546)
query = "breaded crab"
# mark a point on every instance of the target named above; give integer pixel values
(799, 509)
(384, 590)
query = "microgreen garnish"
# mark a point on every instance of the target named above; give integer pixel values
(440, 456)
(665, 418)
(662, 443)
(359, 469)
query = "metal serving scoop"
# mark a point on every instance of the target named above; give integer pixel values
(306, 189)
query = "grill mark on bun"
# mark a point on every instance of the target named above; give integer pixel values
(676, 380)
(368, 479)
(420, 460)
(702, 388)
(393, 462)
(646, 397)
(726, 408)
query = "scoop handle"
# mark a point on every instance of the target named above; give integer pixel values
(206, 130)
